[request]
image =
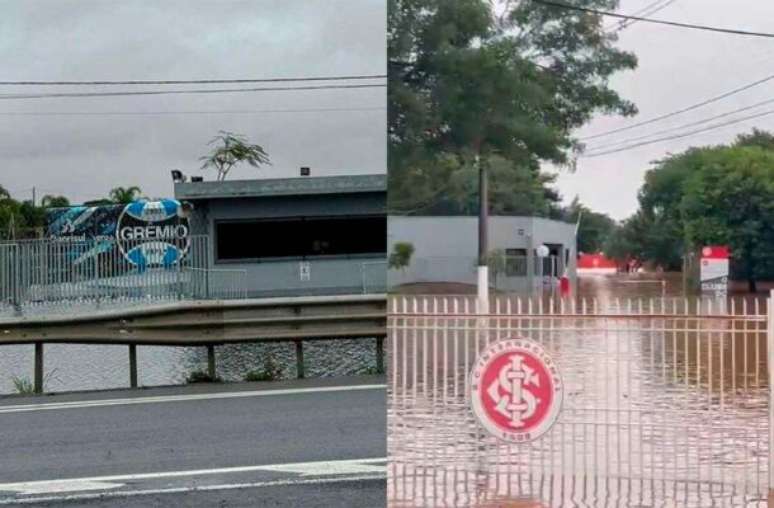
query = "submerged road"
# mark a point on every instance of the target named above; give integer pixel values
(314, 442)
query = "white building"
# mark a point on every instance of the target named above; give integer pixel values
(445, 250)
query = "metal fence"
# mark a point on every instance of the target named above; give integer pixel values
(666, 401)
(69, 275)
(374, 276)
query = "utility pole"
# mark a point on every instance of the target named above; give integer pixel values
(483, 217)
(33, 197)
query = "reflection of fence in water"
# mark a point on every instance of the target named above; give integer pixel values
(670, 392)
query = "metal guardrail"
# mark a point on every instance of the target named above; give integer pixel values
(207, 323)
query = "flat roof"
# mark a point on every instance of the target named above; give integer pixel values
(297, 186)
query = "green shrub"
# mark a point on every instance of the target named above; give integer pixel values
(199, 376)
(271, 371)
(25, 386)
(400, 257)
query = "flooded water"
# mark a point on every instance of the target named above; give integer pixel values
(71, 367)
(665, 403)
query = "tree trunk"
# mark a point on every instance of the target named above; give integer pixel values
(752, 286)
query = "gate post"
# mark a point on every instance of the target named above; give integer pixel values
(770, 366)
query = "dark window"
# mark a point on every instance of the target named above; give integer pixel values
(301, 237)
(516, 262)
(551, 262)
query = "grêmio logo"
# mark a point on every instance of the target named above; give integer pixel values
(154, 232)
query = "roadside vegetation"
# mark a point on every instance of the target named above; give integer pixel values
(271, 371)
(200, 376)
(23, 385)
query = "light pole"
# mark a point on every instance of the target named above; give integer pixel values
(483, 216)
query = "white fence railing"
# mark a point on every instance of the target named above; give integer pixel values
(666, 400)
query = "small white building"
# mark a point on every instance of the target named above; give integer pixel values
(446, 247)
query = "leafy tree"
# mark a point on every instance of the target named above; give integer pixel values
(50, 201)
(472, 81)
(625, 241)
(757, 137)
(125, 195)
(706, 195)
(452, 189)
(400, 257)
(595, 228)
(232, 149)
(731, 201)
(497, 262)
(22, 219)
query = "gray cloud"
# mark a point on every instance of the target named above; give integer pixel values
(84, 156)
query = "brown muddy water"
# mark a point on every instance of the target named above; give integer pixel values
(665, 402)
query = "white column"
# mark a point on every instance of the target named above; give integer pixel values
(483, 289)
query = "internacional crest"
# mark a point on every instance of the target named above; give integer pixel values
(516, 390)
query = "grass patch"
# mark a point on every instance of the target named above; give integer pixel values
(271, 371)
(23, 385)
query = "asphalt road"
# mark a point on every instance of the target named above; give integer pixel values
(304, 443)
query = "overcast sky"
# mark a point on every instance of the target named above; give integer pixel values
(83, 157)
(677, 68)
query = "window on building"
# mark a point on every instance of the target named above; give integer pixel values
(300, 237)
(515, 262)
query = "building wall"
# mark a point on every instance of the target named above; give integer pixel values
(446, 247)
(326, 275)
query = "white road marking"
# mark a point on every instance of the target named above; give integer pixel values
(181, 398)
(318, 468)
(183, 490)
(53, 487)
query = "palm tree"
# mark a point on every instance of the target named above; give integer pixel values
(124, 195)
(232, 149)
(50, 201)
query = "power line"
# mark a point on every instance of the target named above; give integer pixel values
(191, 112)
(589, 10)
(648, 10)
(194, 81)
(681, 127)
(683, 110)
(187, 92)
(620, 25)
(678, 136)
